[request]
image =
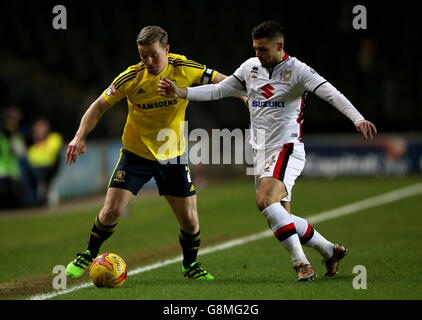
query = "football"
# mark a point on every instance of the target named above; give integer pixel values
(108, 270)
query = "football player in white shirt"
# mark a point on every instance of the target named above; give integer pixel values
(276, 86)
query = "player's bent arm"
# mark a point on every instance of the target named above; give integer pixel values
(330, 94)
(91, 117)
(88, 122)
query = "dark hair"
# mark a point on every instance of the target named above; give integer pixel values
(268, 29)
(152, 34)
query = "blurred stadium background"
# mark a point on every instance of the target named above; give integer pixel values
(57, 74)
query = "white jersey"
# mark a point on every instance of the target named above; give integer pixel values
(276, 98)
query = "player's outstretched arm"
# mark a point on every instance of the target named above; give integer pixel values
(229, 87)
(220, 77)
(89, 120)
(330, 94)
(168, 88)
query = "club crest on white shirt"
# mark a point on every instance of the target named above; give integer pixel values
(286, 75)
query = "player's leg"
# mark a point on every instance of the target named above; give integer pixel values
(275, 182)
(115, 204)
(309, 236)
(186, 213)
(332, 253)
(268, 198)
(174, 182)
(128, 177)
(185, 210)
(103, 227)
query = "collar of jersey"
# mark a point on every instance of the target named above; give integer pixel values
(285, 57)
(148, 75)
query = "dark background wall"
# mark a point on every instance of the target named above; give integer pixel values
(58, 73)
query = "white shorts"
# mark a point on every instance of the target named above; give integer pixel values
(284, 163)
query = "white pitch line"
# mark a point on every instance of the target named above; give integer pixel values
(382, 199)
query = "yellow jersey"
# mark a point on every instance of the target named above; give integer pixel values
(149, 113)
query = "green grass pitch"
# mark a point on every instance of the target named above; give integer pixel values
(385, 239)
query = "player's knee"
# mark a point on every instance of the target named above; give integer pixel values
(110, 214)
(262, 202)
(189, 222)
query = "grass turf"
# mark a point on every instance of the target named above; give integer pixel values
(385, 239)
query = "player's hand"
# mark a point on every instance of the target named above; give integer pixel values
(367, 128)
(168, 89)
(75, 148)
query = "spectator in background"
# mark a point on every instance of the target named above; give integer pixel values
(43, 157)
(15, 190)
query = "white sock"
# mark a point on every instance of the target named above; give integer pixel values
(311, 238)
(282, 225)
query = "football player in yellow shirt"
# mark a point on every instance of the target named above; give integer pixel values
(141, 158)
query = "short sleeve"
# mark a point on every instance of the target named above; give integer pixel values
(239, 74)
(119, 87)
(196, 72)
